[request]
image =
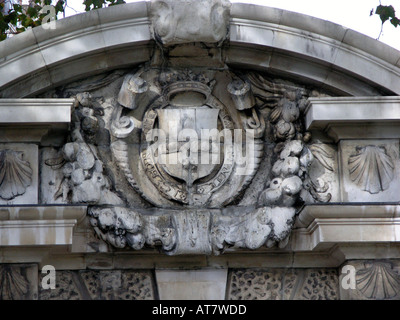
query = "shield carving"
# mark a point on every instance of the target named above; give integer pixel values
(191, 151)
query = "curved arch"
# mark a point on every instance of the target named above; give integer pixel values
(280, 42)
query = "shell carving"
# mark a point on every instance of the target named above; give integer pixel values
(13, 286)
(378, 281)
(371, 169)
(15, 174)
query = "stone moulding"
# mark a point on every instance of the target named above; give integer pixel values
(39, 225)
(35, 111)
(342, 117)
(324, 226)
(31, 120)
(251, 27)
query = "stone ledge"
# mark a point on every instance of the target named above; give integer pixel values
(355, 117)
(35, 111)
(40, 121)
(320, 227)
(39, 225)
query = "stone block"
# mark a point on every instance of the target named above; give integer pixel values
(191, 284)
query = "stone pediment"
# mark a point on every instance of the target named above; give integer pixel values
(248, 133)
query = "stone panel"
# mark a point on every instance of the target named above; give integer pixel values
(283, 284)
(101, 285)
(370, 280)
(370, 170)
(18, 282)
(206, 284)
(18, 174)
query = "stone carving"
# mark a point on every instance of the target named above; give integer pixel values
(13, 285)
(84, 181)
(323, 155)
(242, 96)
(286, 184)
(101, 285)
(371, 168)
(378, 281)
(17, 282)
(182, 164)
(283, 284)
(15, 174)
(287, 172)
(131, 89)
(287, 103)
(189, 142)
(123, 227)
(176, 22)
(264, 226)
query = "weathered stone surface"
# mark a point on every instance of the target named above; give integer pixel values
(370, 170)
(175, 21)
(192, 284)
(19, 177)
(302, 152)
(18, 282)
(101, 285)
(283, 284)
(370, 280)
(165, 139)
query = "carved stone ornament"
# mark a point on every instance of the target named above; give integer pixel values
(378, 280)
(167, 158)
(15, 174)
(371, 168)
(175, 22)
(13, 285)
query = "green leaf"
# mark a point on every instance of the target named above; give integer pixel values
(59, 6)
(385, 12)
(33, 12)
(395, 21)
(17, 7)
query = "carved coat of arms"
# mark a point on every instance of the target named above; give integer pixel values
(201, 161)
(192, 145)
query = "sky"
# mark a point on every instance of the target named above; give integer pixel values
(353, 14)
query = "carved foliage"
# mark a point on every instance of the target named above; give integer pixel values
(84, 180)
(15, 174)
